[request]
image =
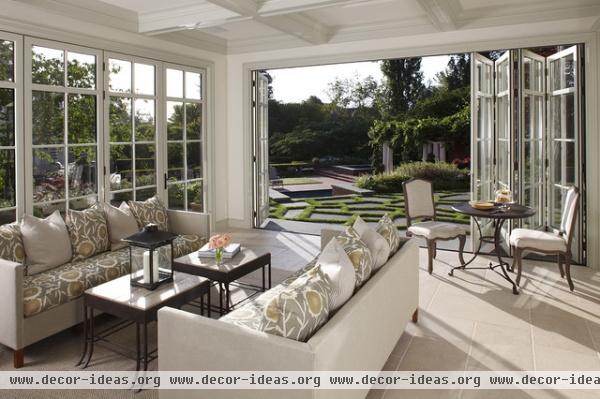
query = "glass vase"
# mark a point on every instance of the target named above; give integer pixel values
(219, 255)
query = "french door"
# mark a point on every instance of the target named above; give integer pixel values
(534, 102)
(260, 114)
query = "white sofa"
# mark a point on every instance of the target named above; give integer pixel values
(360, 336)
(18, 331)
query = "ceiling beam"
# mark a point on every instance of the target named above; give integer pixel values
(297, 25)
(440, 14)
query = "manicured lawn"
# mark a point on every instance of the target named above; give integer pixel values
(344, 210)
(292, 181)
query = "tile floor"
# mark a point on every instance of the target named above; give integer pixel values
(471, 321)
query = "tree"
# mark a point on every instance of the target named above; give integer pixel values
(457, 73)
(404, 84)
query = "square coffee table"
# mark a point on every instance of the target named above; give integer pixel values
(135, 305)
(228, 272)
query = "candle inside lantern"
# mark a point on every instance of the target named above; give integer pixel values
(147, 267)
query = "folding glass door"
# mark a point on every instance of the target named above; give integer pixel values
(527, 113)
(260, 108)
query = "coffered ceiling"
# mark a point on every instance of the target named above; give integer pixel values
(235, 26)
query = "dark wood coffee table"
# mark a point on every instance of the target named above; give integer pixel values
(135, 305)
(229, 272)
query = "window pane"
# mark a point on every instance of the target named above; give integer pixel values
(144, 120)
(81, 70)
(119, 76)
(175, 157)
(48, 174)
(82, 171)
(45, 210)
(174, 120)
(117, 198)
(48, 117)
(193, 86)
(82, 119)
(82, 203)
(174, 83)
(7, 179)
(7, 60)
(195, 196)
(144, 79)
(47, 66)
(120, 119)
(121, 167)
(193, 118)
(142, 195)
(194, 160)
(145, 157)
(8, 216)
(7, 117)
(176, 196)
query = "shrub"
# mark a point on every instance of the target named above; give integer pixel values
(444, 176)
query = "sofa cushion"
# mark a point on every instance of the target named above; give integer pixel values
(379, 246)
(150, 211)
(11, 243)
(55, 287)
(359, 253)
(187, 243)
(46, 242)
(336, 265)
(88, 231)
(121, 224)
(388, 230)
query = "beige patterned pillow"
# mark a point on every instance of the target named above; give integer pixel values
(300, 309)
(359, 253)
(388, 230)
(11, 243)
(150, 211)
(88, 232)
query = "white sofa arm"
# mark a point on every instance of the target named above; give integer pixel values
(189, 223)
(11, 305)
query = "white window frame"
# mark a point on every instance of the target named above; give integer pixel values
(17, 86)
(158, 115)
(30, 87)
(184, 141)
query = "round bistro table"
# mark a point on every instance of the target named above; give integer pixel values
(499, 214)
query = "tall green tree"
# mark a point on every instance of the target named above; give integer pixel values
(403, 84)
(458, 72)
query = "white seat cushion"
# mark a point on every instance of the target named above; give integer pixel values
(435, 230)
(542, 240)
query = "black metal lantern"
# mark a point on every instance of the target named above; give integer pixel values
(151, 257)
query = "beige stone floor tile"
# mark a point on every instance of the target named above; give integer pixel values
(557, 359)
(451, 329)
(498, 394)
(563, 331)
(431, 354)
(421, 394)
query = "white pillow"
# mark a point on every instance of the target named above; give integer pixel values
(121, 224)
(378, 245)
(46, 241)
(336, 264)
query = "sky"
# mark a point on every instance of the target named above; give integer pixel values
(297, 84)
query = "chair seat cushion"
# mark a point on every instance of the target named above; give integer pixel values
(541, 240)
(435, 230)
(65, 283)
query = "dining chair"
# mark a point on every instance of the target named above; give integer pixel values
(557, 242)
(419, 204)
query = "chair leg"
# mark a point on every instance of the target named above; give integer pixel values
(560, 265)
(415, 315)
(19, 358)
(430, 254)
(518, 262)
(461, 248)
(568, 270)
(434, 250)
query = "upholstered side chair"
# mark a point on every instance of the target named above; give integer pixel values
(419, 204)
(549, 242)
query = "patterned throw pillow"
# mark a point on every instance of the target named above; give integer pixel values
(300, 309)
(388, 230)
(88, 232)
(150, 211)
(359, 253)
(11, 243)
